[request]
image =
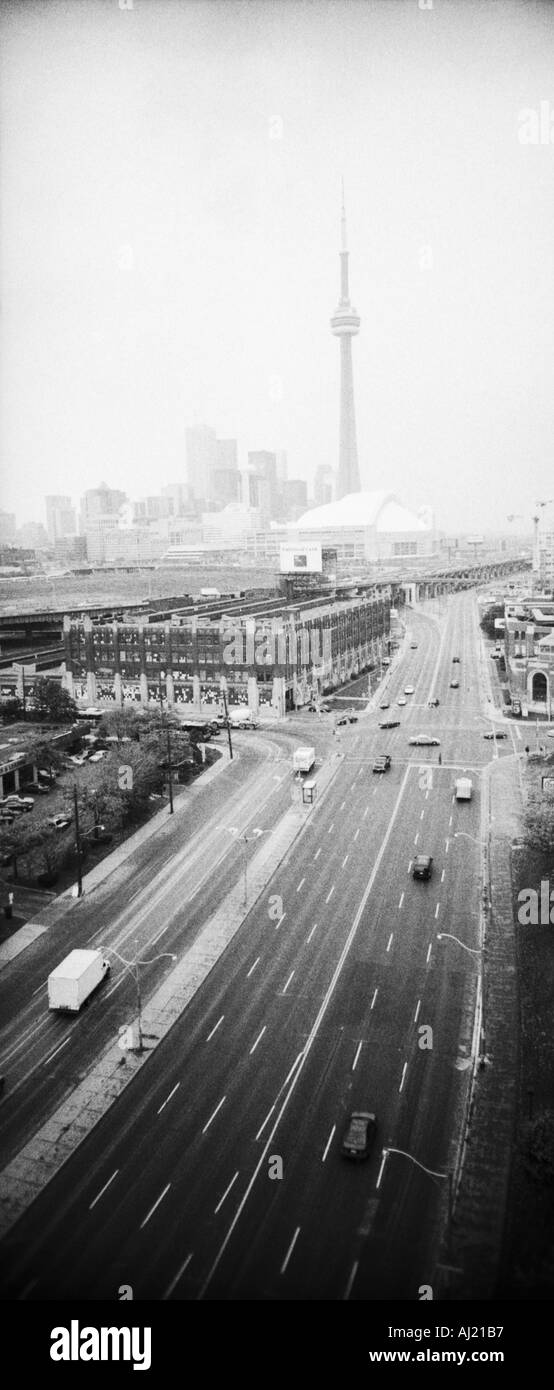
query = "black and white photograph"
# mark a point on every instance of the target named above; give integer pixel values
(277, 668)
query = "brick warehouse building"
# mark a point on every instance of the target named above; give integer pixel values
(271, 659)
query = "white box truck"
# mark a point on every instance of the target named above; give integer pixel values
(303, 759)
(73, 981)
(463, 788)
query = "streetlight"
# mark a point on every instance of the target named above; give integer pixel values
(133, 965)
(479, 952)
(431, 1173)
(245, 840)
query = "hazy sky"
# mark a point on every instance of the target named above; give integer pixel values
(170, 182)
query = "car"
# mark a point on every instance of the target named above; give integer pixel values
(13, 802)
(385, 661)
(385, 704)
(434, 702)
(408, 689)
(36, 789)
(454, 685)
(382, 763)
(495, 733)
(347, 719)
(389, 724)
(78, 762)
(456, 659)
(424, 741)
(401, 700)
(359, 1134)
(422, 866)
(59, 822)
(318, 709)
(97, 757)
(413, 646)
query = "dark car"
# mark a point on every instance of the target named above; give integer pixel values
(389, 724)
(456, 659)
(413, 646)
(347, 719)
(385, 704)
(359, 1135)
(500, 733)
(422, 866)
(454, 685)
(383, 763)
(434, 702)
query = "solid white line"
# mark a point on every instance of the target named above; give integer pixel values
(446, 846)
(330, 893)
(416, 838)
(328, 1144)
(314, 928)
(357, 833)
(428, 952)
(290, 1249)
(288, 981)
(175, 1281)
(401, 900)
(212, 1117)
(156, 1204)
(39, 987)
(416, 1015)
(404, 1070)
(302, 880)
(437, 910)
(331, 827)
(161, 932)
(168, 1098)
(375, 996)
(55, 1052)
(262, 1127)
(317, 853)
(442, 875)
(226, 1193)
(103, 1189)
(313, 1032)
(214, 1030)
(450, 822)
(410, 866)
(259, 1037)
(253, 967)
(281, 919)
(380, 1174)
(390, 941)
(348, 1289)
(355, 1062)
(346, 857)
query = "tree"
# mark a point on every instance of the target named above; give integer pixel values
(19, 840)
(146, 777)
(488, 619)
(52, 702)
(539, 826)
(42, 753)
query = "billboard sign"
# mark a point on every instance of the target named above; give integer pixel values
(301, 559)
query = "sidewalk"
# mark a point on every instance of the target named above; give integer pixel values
(29, 1172)
(480, 1209)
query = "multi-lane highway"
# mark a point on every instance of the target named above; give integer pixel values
(218, 1172)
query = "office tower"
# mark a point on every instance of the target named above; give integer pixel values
(201, 460)
(324, 484)
(60, 517)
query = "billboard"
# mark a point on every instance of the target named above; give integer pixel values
(300, 559)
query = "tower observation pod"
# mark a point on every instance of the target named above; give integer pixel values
(345, 323)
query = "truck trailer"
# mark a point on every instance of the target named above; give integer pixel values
(75, 979)
(463, 788)
(303, 759)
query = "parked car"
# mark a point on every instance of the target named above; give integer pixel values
(413, 646)
(456, 659)
(389, 724)
(15, 802)
(499, 733)
(422, 866)
(454, 685)
(77, 761)
(434, 702)
(347, 719)
(59, 822)
(424, 741)
(382, 763)
(359, 1135)
(97, 757)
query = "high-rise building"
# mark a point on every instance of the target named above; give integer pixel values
(100, 508)
(324, 484)
(7, 528)
(60, 517)
(226, 453)
(33, 536)
(545, 549)
(295, 496)
(281, 466)
(201, 459)
(263, 463)
(345, 323)
(179, 497)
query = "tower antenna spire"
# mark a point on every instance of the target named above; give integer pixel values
(345, 323)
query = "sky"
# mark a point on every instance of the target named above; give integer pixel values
(170, 187)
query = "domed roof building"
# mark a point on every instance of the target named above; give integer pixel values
(369, 526)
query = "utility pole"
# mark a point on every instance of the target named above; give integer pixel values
(224, 693)
(77, 842)
(169, 770)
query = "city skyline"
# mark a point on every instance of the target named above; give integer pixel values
(168, 260)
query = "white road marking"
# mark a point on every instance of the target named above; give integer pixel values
(330, 894)
(317, 853)
(355, 1062)
(290, 1249)
(39, 987)
(442, 875)
(302, 880)
(225, 1194)
(410, 866)
(446, 846)
(390, 941)
(404, 1070)
(450, 823)
(428, 952)
(517, 732)
(437, 910)
(416, 838)
(314, 928)
(103, 1189)
(375, 996)
(380, 1174)
(346, 857)
(357, 833)
(353, 1273)
(175, 1281)
(365, 812)
(288, 981)
(281, 919)
(262, 1127)
(401, 900)
(331, 827)
(212, 1117)
(427, 794)
(353, 787)
(375, 789)
(55, 1052)
(214, 1030)
(416, 1015)
(258, 1039)
(253, 967)
(328, 1144)
(342, 806)
(422, 815)
(156, 1204)
(168, 1098)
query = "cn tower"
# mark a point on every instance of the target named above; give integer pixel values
(344, 324)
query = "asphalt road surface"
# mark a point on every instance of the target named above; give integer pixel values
(218, 1173)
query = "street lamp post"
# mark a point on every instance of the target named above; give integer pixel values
(78, 843)
(432, 1173)
(479, 952)
(169, 768)
(133, 966)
